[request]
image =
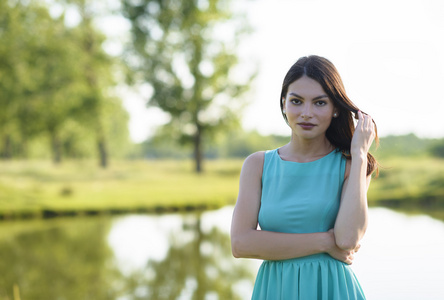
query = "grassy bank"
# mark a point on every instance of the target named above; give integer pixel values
(409, 182)
(39, 188)
(31, 188)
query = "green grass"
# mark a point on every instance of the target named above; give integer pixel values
(409, 181)
(30, 188)
(36, 188)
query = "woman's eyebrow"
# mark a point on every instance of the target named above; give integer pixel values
(315, 98)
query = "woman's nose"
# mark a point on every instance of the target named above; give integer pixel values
(306, 112)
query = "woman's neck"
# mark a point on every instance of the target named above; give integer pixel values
(306, 150)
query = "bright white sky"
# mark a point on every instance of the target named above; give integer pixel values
(390, 54)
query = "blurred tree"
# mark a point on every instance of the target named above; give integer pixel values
(402, 145)
(13, 73)
(97, 74)
(437, 148)
(229, 144)
(185, 50)
(37, 73)
(53, 99)
(241, 144)
(59, 259)
(55, 80)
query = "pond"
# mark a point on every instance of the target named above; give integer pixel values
(188, 256)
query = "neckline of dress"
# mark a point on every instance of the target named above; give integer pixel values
(307, 162)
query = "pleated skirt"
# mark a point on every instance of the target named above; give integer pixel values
(311, 277)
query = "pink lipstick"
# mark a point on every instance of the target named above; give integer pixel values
(306, 126)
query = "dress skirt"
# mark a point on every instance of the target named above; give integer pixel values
(311, 277)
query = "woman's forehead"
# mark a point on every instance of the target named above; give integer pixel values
(306, 87)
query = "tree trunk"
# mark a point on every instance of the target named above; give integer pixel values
(103, 151)
(7, 147)
(56, 148)
(198, 149)
(23, 148)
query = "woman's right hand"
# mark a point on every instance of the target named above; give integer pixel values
(338, 253)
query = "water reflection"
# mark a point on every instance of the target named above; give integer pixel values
(188, 257)
(129, 257)
(401, 255)
(57, 259)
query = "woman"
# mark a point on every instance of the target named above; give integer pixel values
(309, 197)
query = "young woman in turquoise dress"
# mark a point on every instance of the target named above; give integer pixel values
(308, 197)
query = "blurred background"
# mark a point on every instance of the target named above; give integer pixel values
(124, 124)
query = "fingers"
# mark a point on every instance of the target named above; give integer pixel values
(368, 122)
(361, 120)
(349, 258)
(346, 256)
(351, 255)
(362, 117)
(365, 122)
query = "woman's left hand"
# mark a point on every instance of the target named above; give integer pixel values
(363, 136)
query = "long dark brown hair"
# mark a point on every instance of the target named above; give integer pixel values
(341, 129)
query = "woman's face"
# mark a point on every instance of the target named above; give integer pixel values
(309, 110)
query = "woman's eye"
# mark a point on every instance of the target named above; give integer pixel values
(295, 101)
(321, 103)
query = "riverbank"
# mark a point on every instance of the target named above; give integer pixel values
(39, 189)
(30, 189)
(409, 182)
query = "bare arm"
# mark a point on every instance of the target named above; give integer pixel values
(351, 222)
(249, 242)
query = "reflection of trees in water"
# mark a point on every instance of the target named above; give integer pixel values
(198, 264)
(64, 259)
(70, 259)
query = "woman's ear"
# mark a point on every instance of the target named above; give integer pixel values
(283, 105)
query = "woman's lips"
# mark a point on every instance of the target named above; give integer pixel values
(306, 126)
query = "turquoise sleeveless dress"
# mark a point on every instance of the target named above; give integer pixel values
(303, 198)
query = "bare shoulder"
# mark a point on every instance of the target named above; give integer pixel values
(256, 157)
(254, 163)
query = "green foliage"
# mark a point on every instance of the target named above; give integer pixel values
(414, 181)
(437, 148)
(241, 144)
(54, 85)
(403, 145)
(177, 47)
(160, 147)
(230, 144)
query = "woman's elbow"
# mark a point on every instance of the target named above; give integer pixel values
(240, 246)
(236, 247)
(235, 252)
(349, 241)
(347, 245)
